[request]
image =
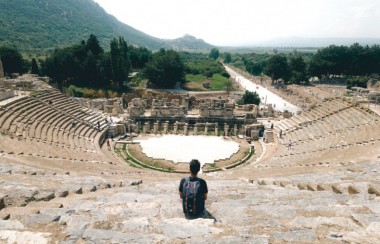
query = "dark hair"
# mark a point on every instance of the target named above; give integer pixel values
(195, 166)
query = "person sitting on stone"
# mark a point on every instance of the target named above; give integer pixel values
(193, 192)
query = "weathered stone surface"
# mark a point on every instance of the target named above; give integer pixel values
(44, 196)
(302, 186)
(19, 212)
(61, 193)
(74, 189)
(43, 219)
(311, 187)
(300, 236)
(314, 223)
(45, 205)
(365, 220)
(89, 188)
(135, 225)
(19, 197)
(135, 183)
(2, 202)
(373, 229)
(374, 189)
(11, 236)
(110, 236)
(4, 215)
(324, 187)
(257, 239)
(337, 189)
(184, 229)
(11, 225)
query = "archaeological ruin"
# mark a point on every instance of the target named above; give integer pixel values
(86, 171)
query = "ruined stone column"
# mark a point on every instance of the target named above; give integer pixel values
(216, 129)
(155, 128)
(226, 127)
(206, 128)
(176, 127)
(235, 130)
(185, 129)
(166, 125)
(145, 128)
(195, 129)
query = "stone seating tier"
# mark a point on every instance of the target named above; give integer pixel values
(35, 118)
(332, 207)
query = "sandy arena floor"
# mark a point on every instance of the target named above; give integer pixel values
(206, 149)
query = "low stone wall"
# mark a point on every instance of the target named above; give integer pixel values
(6, 94)
(145, 165)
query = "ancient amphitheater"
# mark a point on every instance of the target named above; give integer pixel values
(60, 184)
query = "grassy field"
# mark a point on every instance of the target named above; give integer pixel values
(216, 83)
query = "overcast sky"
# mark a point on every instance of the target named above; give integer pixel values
(240, 22)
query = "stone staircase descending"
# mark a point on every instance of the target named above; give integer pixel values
(335, 207)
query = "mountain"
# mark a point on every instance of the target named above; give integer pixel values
(32, 25)
(316, 42)
(189, 43)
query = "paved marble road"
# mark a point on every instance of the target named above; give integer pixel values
(271, 98)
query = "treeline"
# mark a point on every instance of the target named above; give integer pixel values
(330, 62)
(86, 69)
(87, 64)
(13, 62)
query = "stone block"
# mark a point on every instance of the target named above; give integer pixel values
(2, 203)
(44, 196)
(324, 187)
(374, 189)
(311, 187)
(61, 193)
(337, 189)
(75, 190)
(302, 186)
(365, 220)
(41, 219)
(89, 188)
(11, 225)
(19, 198)
(295, 236)
(17, 212)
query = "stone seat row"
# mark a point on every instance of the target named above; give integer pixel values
(325, 109)
(151, 213)
(27, 117)
(361, 135)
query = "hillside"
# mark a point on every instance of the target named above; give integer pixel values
(38, 25)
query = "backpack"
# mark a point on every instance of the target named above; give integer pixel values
(192, 200)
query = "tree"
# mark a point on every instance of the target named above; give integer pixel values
(165, 69)
(297, 68)
(13, 61)
(93, 45)
(139, 57)
(227, 58)
(250, 98)
(120, 61)
(254, 68)
(34, 69)
(214, 54)
(277, 68)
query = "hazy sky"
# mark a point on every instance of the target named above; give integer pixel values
(239, 22)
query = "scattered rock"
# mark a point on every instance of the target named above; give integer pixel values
(62, 193)
(135, 183)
